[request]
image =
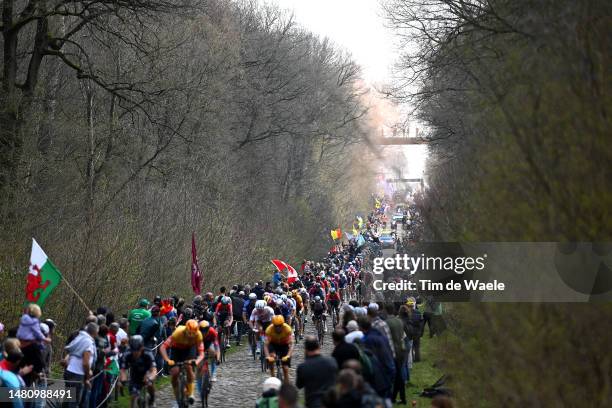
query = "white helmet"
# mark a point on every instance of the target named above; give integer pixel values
(252, 296)
(317, 298)
(283, 297)
(260, 304)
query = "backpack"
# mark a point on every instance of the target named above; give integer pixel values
(267, 402)
(366, 364)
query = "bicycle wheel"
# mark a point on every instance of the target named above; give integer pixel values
(262, 357)
(279, 369)
(180, 392)
(206, 387)
(253, 343)
(222, 344)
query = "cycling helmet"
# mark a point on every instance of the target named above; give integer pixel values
(289, 295)
(191, 326)
(136, 342)
(260, 304)
(143, 303)
(204, 325)
(226, 300)
(279, 291)
(303, 290)
(279, 302)
(283, 297)
(317, 298)
(252, 296)
(278, 320)
(332, 290)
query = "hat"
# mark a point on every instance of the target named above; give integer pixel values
(360, 311)
(410, 301)
(271, 383)
(143, 303)
(352, 326)
(373, 306)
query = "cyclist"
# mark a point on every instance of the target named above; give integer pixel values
(260, 319)
(141, 364)
(318, 311)
(225, 316)
(186, 344)
(279, 343)
(299, 310)
(211, 346)
(305, 303)
(247, 309)
(333, 302)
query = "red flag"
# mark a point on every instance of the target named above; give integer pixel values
(280, 265)
(292, 275)
(196, 274)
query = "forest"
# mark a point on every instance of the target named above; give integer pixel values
(516, 98)
(127, 125)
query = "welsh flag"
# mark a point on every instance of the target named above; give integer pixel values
(43, 276)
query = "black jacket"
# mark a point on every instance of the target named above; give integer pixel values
(316, 374)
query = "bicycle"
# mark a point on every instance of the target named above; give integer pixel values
(181, 397)
(279, 368)
(142, 401)
(318, 321)
(262, 355)
(205, 382)
(253, 343)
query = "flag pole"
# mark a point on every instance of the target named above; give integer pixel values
(76, 294)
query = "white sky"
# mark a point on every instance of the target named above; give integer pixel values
(359, 27)
(356, 25)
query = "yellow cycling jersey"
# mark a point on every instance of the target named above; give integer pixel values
(181, 340)
(281, 338)
(298, 301)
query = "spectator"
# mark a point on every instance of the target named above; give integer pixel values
(288, 396)
(411, 320)
(316, 374)
(122, 334)
(137, 316)
(343, 351)
(9, 366)
(353, 332)
(380, 325)
(102, 348)
(269, 397)
(237, 306)
(347, 316)
(31, 337)
(378, 346)
(80, 359)
(150, 329)
(397, 334)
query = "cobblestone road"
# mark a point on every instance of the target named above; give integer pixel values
(239, 379)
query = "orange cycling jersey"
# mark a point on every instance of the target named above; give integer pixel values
(282, 338)
(181, 340)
